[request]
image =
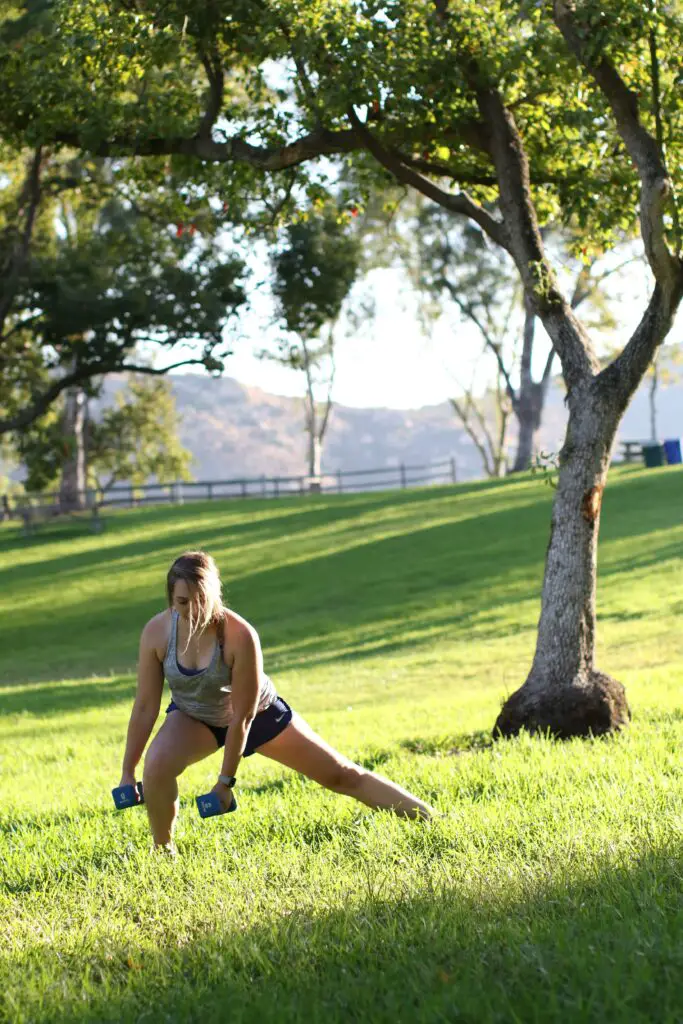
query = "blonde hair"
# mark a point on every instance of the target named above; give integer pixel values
(199, 571)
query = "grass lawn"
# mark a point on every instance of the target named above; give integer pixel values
(396, 623)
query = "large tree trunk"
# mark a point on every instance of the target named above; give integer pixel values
(565, 693)
(314, 454)
(72, 490)
(526, 407)
(529, 404)
(528, 410)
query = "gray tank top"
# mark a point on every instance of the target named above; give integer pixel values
(207, 693)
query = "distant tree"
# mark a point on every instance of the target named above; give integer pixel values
(453, 264)
(134, 439)
(43, 448)
(137, 437)
(90, 275)
(485, 418)
(314, 270)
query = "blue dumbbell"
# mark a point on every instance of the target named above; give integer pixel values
(209, 805)
(128, 796)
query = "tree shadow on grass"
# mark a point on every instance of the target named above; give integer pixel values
(318, 591)
(450, 746)
(47, 699)
(259, 511)
(605, 947)
(100, 557)
(259, 520)
(347, 604)
(655, 553)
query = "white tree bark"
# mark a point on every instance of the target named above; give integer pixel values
(72, 489)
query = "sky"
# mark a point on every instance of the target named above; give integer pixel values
(392, 362)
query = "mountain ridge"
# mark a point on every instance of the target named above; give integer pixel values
(235, 430)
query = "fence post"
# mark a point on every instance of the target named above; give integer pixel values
(210, 491)
(453, 477)
(277, 486)
(403, 476)
(340, 482)
(302, 484)
(264, 486)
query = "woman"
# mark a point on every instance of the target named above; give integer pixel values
(221, 697)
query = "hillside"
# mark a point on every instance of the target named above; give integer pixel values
(234, 430)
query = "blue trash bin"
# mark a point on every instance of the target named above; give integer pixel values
(672, 450)
(653, 455)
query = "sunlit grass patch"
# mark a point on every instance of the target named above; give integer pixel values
(552, 890)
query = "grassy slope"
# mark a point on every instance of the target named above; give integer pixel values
(396, 624)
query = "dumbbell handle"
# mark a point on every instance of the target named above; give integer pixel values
(128, 796)
(209, 805)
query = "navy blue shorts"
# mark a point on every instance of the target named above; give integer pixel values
(266, 725)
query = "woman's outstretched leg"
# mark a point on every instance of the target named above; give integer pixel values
(300, 748)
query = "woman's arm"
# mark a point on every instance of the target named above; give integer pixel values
(247, 671)
(146, 705)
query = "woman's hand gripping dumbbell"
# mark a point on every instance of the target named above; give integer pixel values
(128, 793)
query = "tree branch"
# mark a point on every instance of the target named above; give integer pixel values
(463, 415)
(470, 177)
(152, 370)
(527, 343)
(641, 146)
(42, 402)
(276, 210)
(483, 425)
(490, 342)
(330, 385)
(320, 142)
(503, 411)
(216, 79)
(16, 259)
(579, 361)
(438, 170)
(547, 371)
(17, 326)
(623, 375)
(309, 401)
(506, 149)
(459, 203)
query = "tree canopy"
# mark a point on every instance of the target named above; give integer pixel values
(560, 111)
(261, 85)
(96, 274)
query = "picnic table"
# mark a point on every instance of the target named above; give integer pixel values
(631, 451)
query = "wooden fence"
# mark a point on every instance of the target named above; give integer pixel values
(341, 482)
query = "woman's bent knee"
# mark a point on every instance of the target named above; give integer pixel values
(159, 767)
